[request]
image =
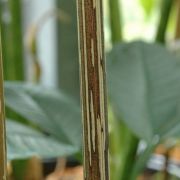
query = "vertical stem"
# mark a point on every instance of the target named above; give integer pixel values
(123, 144)
(128, 151)
(16, 26)
(163, 22)
(177, 32)
(115, 21)
(140, 163)
(93, 89)
(2, 126)
(12, 40)
(166, 174)
(67, 64)
(12, 44)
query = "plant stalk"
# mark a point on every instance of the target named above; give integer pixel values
(19, 168)
(67, 44)
(12, 40)
(3, 161)
(123, 150)
(12, 44)
(166, 7)
(123, 144)
(93, 89)
(128, 153)
(177, 32)
(141, 161)
(115, 21)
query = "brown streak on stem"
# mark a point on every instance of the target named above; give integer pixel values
(93, 89)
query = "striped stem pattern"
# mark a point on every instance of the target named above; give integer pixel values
(93, 89)
(2, 126)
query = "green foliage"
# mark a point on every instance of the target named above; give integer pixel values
(50, 112)
(144, 87)
(165, 12)
(24, 142)
(121, 152)
(147, 5)
(143, 80)
(12, 49)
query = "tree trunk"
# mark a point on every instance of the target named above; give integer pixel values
(2, 126)
(93, 89)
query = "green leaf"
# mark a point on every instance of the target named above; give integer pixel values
(147, 6)
(24, 142)
(144, 88)
(51, 111)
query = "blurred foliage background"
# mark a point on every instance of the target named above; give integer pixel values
(40, 51)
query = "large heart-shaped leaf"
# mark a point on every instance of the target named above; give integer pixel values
(24, 142)
(144, 87)
(51, 111)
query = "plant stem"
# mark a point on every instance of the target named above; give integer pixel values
(128, 153)
(123, 144)
(12, 40)
(13, 57)
(67, 44)
(177, 32)
(3, 161)
(93, 89)
(12, 44)
(140, 163)
(115, 21)
(123, 149)
(115, 141)
(19, 167)
(163, 21)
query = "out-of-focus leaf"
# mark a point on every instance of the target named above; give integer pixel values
(144, 88)
(51, 111)
(147, 6)
(24, 142)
